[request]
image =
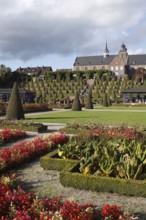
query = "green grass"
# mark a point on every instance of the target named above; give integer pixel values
(109, 118)
(121, 107)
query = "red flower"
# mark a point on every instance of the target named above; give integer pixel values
(113, 211)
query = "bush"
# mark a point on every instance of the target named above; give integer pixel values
(89, 104)
(103, 184)
(76, 104)
(69, 177)
(15, 110)
(34, 107)
(51, 161)
(105, 101)
(23, 125)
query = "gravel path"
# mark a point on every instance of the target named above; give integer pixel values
(46, 183)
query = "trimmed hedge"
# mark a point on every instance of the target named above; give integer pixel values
(103, 184)
(50, 162)
(23, 125)
(71, 178)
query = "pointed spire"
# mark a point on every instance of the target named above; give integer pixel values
(106, 51)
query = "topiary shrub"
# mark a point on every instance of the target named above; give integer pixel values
(89, 104)
(109, 101)
(76, 106)
(15, 110)
(105, 101)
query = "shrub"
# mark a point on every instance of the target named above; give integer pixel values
(103, 184)
(15, 110)
(76, 104)
(105, 101)
(89, 104)
(23, 125)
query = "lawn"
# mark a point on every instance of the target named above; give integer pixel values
(92, 116)
(120, 107)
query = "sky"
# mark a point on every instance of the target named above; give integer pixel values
(55, 32)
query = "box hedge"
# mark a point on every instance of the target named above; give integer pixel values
(70, 177)
(50, 162)
(103, 184)
(23, 125)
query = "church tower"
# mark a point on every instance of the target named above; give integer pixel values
(123, 53)
(106, 51)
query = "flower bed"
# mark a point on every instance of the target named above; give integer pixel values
(122, 158)
(7, 135)
(105, 131)
(117, 132)
(27, 150)
(16, 204)
(101, 164)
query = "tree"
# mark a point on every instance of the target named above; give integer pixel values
(105, 101)
(89, 104)
(109, 101)
(5, 72)
(15, 110)
(76, 106)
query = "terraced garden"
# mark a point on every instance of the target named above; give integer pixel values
(60, 88)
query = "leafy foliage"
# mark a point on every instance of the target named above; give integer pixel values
(105, 155)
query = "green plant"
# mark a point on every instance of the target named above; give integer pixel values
(76, 104)
(105, 101)
(89, 104)
(15, 110)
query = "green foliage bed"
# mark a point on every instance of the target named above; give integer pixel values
(108, 160)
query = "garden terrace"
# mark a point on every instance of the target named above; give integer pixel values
(58, 86)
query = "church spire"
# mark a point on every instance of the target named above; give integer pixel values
(106, 51)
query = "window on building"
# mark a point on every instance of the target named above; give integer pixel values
(116, 67)
(112, 68)
(121, 67)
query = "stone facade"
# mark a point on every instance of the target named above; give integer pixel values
(122, 64)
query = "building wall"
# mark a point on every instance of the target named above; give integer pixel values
(118, 64)
(95, 67)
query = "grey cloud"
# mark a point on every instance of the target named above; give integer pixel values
(35, 32)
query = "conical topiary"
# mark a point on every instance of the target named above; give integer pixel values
(15, 110)
(89, 104)
(105, 102)
(109, 101)
(76, 106)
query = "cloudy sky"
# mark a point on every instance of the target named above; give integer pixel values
(54, 32)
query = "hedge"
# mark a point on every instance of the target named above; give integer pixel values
(103, 184)
(48, 162)
(71, 178)
(23, 125)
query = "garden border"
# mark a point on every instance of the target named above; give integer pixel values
(71, 178)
